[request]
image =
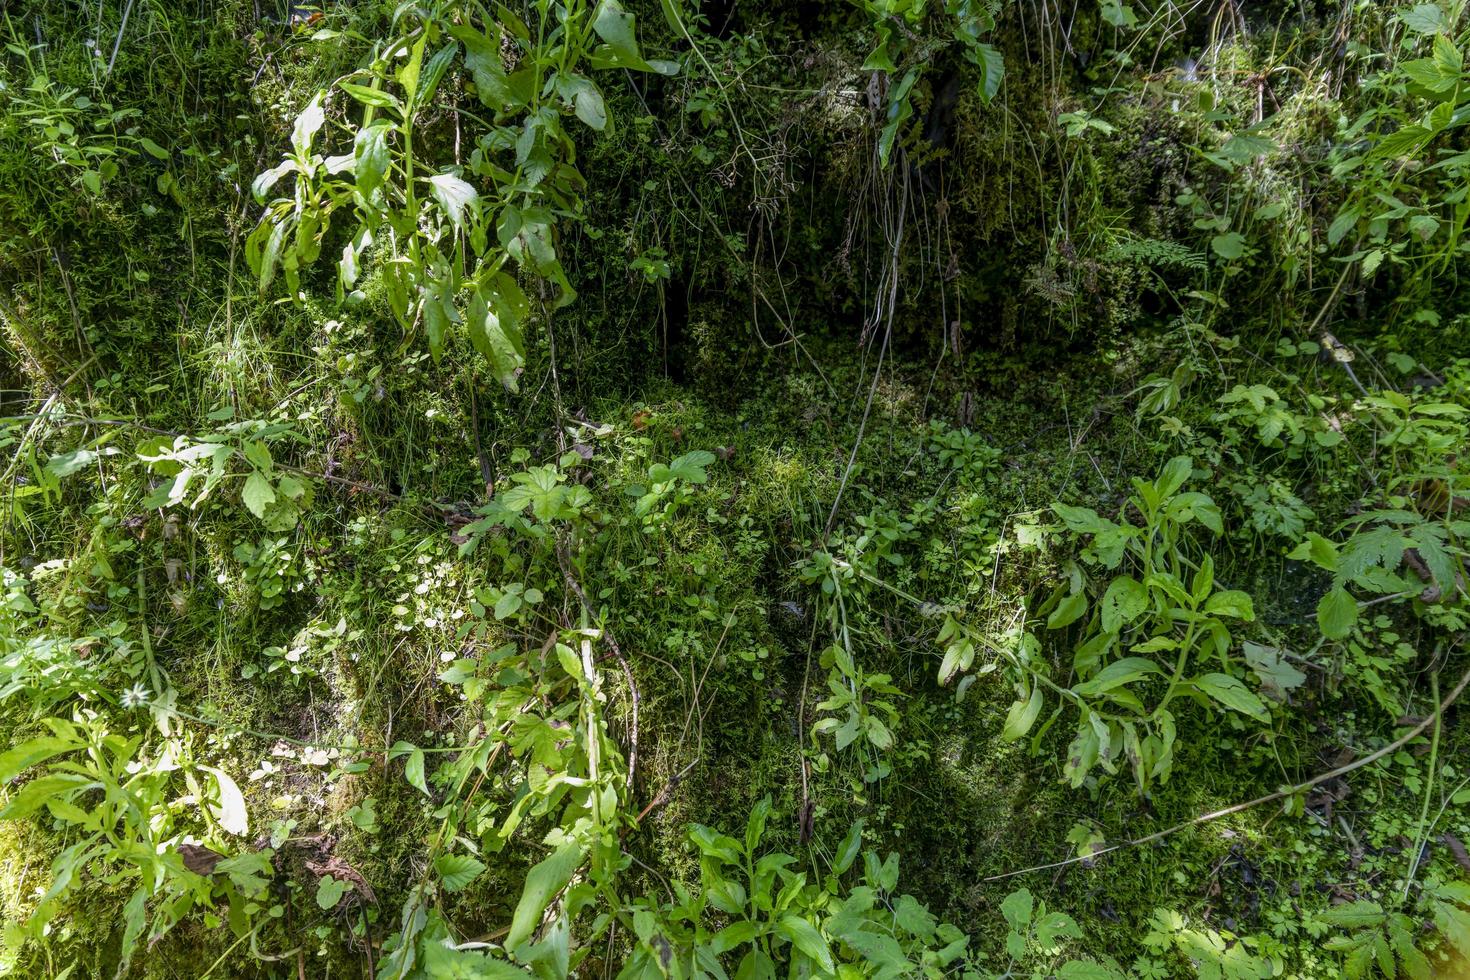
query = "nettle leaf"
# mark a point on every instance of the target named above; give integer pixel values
(456, 871)
(1337, 614)
(1231, 693)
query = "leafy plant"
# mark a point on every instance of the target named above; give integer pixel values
(1144, 596)
(449, 249)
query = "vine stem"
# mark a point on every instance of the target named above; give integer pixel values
(1280, 794)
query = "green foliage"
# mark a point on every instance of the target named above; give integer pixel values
(1146, 596)
(325, 647)
(425, 225)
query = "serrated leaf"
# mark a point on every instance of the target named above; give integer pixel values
(1337, 614)
(456, 871)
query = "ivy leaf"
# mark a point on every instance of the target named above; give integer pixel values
(329, 892)
(1232, 694)
(456, 871)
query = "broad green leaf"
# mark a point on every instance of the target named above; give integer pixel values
(805, 937)
(374, 97)
(690, 466)
(1022, 715)
(847, 851)
(731, 937)
(1016, 907)
(618, 30)
(495, 332)
(543, 883)
(307, 124)
(1232, 603)
(1337, 614)
(1232, 694)
(19, 758)
(1116, 674)
(992, 67)
(456, 871)
(329, 891)
(258, 493)
(371, 156)
(34, 794)
(413, 771)
(1068, 611)
(1125, 601)
(1229, 246)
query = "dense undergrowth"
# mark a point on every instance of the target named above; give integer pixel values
(902, 487)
